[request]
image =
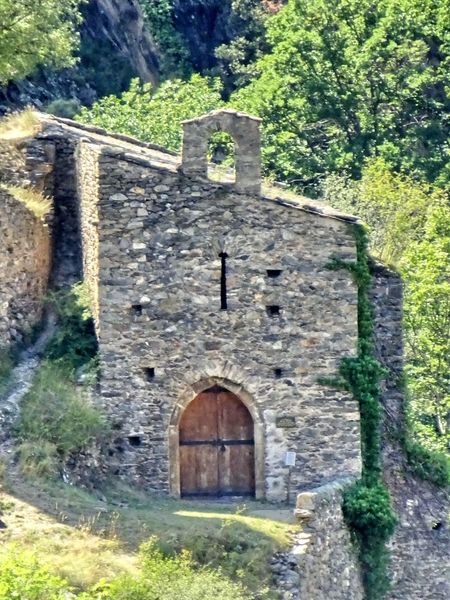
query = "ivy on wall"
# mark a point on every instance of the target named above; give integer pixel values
(367, 504)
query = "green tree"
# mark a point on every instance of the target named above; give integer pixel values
(154, 115)
(347, 79)
(36, 33)
(236, 59)
(426, 272)
(175, 58)
(393, 205)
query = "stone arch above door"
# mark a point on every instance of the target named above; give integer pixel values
(245, 131)
(185, 399)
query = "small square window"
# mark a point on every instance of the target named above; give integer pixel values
(137, 309)
(278, 373)
(273, 310)
(273, 273)
(149, 373)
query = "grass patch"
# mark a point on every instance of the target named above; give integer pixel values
(84, 537)
(36, 202)
(56, 420)
(19, 125)
(6, 367)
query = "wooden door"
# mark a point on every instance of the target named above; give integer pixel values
(217, 446)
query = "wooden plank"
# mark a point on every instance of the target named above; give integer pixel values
(236, 462)
(199, 463)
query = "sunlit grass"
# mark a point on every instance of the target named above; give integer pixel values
(19, 125)
(36, 202)
(85, 536)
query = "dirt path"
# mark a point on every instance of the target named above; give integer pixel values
(20, 383)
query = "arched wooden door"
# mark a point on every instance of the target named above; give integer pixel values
(217, 446)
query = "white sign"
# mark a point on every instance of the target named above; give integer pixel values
(289, 459)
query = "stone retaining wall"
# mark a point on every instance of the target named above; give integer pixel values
(322, 563)
(25, 259)
(420, 546)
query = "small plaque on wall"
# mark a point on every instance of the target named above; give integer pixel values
(285, 422)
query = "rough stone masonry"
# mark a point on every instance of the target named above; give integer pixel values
(154, 234)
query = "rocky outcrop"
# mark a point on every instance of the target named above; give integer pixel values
(115, 46)
(122, 23)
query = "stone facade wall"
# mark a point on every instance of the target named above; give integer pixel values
(421, 543)
(160, 235)
(25, 258)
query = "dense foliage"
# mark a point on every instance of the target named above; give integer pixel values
(347, 79)
(174, 54)
(74, 343)
(409, 228)
(426, 271)
(36, 33)
(155, 115)
(160, 578)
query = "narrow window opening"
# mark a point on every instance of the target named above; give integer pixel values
(278, 373)
(221, 158)
(149, 373)
(273, 310)
(135, 440)
(273, 273)
(137, 309)
(223, 281)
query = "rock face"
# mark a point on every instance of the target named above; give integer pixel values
(114, 37)
(121, 23)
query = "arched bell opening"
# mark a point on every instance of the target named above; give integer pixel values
(216, 443)
(221, 158)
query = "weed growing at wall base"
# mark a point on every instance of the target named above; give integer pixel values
(367, 505)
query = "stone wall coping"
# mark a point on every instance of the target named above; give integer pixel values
(46, 118)
(221, 111)
(308, 501)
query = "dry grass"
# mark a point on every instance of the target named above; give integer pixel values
(84, 537)
(19, 126)
(36, 202)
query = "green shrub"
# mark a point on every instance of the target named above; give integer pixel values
(428, 464)
(64, 107)
(168, 578)
(75, 342)
(6, 367)
(368, 510)
(240, 556)
(56, 419)
(38, 458)
(23, 578)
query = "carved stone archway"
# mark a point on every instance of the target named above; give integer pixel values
(186, 397)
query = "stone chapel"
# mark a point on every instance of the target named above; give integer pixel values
(216, 311)
(217, 316)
